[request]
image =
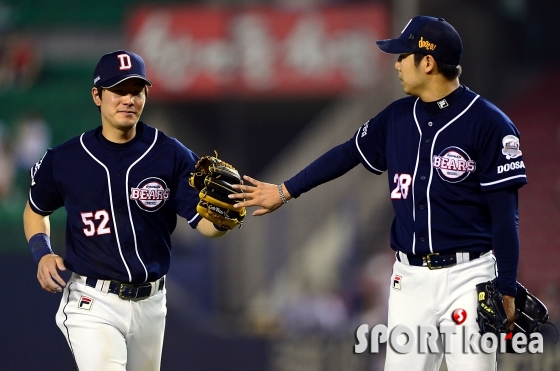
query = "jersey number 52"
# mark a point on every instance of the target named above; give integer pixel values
(402, 182)
(92, 229)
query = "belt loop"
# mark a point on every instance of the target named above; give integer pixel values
(157, 286)
(102, 286)
(403, 258)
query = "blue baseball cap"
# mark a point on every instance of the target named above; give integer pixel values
(427, 35)
(118, 66)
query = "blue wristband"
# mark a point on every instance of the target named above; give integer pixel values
(40, 245)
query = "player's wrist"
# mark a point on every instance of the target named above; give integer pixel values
(40, 245)
(507, 288)
(284, 195)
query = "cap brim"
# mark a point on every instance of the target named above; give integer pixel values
(393, 46)
(115, 81)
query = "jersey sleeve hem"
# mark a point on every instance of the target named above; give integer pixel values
(288, 186)
(365, 162)
(193, 222)
(38, 210)
(516, 180)
(510, 290)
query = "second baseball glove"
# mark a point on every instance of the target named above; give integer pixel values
(213, 179)
(530, 312)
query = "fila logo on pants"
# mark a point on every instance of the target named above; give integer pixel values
(85, 302)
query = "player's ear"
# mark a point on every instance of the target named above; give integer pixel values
(430, 65)
(96, 95)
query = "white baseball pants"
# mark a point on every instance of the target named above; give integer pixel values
(420, 296)
(107, 333)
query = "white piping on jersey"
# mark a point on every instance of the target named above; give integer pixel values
(432, 169)
(414, 175)
(503, 180)
(362, 154)
(128, 203)
(112, 207)
(34, 204)
(193, 218)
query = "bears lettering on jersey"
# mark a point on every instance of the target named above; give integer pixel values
(453, 164)
(151, 194)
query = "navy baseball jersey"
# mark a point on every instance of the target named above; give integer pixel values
(437, 167)
(122, 201)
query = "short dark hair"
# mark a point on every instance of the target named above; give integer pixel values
(449, 71)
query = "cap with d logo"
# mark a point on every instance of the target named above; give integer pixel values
(117, 66)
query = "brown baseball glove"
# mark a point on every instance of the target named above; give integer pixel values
(212, 179)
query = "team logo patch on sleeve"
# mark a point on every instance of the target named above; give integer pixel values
(453, 164)
(151, 194)
(511, 147)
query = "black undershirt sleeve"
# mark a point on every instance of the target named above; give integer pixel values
(505, 237)
(331, 165)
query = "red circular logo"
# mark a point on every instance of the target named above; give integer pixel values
(459, 316)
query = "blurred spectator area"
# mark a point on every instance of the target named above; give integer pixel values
(321, 262)
(535, 112)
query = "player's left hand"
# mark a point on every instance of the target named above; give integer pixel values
(509, 305)
(260, 194)
(47, 273)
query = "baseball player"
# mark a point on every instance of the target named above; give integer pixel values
(122, 185)
(454, 167)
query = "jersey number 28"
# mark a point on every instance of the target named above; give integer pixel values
(402, 182)
(91, 229)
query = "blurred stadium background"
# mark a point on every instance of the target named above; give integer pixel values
(286, 80)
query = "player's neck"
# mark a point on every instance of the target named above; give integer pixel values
(118, 135)
(438, 90)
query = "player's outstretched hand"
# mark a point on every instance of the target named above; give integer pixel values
(264, 195)
(47, 273)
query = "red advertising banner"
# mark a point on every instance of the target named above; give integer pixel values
(208, 52)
